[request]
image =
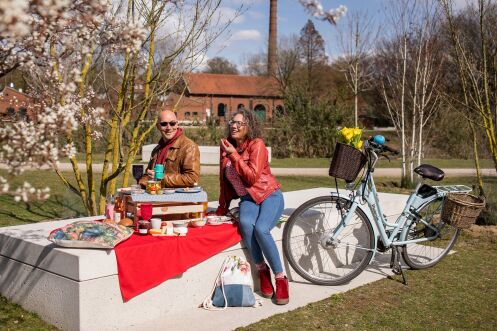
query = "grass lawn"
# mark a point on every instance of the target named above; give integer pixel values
(325, 162)
(459, 293)
(395, 163)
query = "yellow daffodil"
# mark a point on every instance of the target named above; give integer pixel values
(351, 136)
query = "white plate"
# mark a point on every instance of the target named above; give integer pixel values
(218, 220)
(188, 190)
(124, 190)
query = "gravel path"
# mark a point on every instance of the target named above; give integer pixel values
(382, 172)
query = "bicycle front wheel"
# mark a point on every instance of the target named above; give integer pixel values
(425, 254)
(306, 248)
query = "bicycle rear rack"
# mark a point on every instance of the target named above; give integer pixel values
(453, 188)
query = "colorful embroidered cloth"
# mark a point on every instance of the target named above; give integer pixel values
(90, 234)
(144, 262)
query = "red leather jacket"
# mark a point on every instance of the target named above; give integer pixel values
(253, 168)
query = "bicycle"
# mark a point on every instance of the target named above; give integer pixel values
(330, 240)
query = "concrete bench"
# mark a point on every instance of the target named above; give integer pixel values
(78, 289)
(208, 154)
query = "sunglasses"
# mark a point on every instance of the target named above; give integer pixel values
(171, 124)
(238, 124)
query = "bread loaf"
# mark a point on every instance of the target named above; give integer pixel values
(126, 222)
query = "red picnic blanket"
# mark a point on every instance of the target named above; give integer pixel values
(144, 262)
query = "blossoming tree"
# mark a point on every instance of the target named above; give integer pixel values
(66, 48)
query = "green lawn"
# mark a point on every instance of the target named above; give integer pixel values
(325, 162)
(65, 204)
(459, 293)
(394, 163)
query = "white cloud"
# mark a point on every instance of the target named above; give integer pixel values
(250, 34)
(255, 15)
(227, 14)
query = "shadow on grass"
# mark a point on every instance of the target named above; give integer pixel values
(56, 207)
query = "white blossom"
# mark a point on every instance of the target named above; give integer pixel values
(315, 9)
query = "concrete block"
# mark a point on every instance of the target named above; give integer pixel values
(78, 289)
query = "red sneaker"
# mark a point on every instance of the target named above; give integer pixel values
(282, 293)
(267, 289)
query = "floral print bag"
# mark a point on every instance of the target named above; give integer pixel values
(233, 286)
(90, 234)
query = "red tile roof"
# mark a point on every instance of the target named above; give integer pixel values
(219, 84)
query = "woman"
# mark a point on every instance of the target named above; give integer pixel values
(245, 174)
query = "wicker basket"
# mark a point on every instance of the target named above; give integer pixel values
(462, 210)
(346, 162)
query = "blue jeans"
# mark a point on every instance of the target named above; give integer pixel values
(256, 223)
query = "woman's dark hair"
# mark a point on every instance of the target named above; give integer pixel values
(253, 126)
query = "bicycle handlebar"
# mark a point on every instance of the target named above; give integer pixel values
(373, 141)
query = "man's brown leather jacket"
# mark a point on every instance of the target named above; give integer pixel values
(181, 166)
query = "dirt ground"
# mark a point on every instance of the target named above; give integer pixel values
(488, 231)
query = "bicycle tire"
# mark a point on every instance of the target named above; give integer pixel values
(426, 254)
(322, 265)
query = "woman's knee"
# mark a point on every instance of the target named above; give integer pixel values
(262, 229)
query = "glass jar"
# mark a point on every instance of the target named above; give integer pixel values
(153, 187)
(143, 227)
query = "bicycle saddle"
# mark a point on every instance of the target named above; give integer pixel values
(430, 172)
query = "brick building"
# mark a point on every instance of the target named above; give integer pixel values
(218, 95)
(14, 103)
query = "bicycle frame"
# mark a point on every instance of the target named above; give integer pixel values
(391, 234)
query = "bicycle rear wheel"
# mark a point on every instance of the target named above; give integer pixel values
(305, 247)
(426, 254)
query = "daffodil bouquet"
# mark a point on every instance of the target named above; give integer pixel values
(350, 136)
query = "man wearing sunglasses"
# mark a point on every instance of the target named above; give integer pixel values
(179, 155)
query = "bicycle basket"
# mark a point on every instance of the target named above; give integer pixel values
(346, 162)
(462, 210)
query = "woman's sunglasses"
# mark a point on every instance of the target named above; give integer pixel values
(171, 124)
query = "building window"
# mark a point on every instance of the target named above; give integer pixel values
(11, 111)
(221, 110)
(260, 112)
(279, 111)
(240, 106)
(187, 115)
(22, 113)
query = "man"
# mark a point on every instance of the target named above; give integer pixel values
(179, 155)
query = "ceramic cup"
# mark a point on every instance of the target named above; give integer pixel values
(156, 223)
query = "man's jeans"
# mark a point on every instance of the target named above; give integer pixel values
(256, 223)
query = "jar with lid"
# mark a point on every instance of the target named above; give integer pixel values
(143, 227)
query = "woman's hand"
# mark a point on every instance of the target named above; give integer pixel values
(227, 147)
(150, 174)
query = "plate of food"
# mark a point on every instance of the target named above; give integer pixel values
(218, 220)
(124, 190)
(188, 190)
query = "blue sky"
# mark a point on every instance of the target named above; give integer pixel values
(249, 33)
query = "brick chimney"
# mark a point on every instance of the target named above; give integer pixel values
(272, 44)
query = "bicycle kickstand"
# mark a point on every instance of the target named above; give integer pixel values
(395, 264)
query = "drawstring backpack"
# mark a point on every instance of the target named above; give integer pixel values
(233, 286)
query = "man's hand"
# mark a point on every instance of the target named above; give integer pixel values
(227, 147)
(150, 174)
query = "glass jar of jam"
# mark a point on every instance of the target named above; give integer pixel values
(143, 227)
